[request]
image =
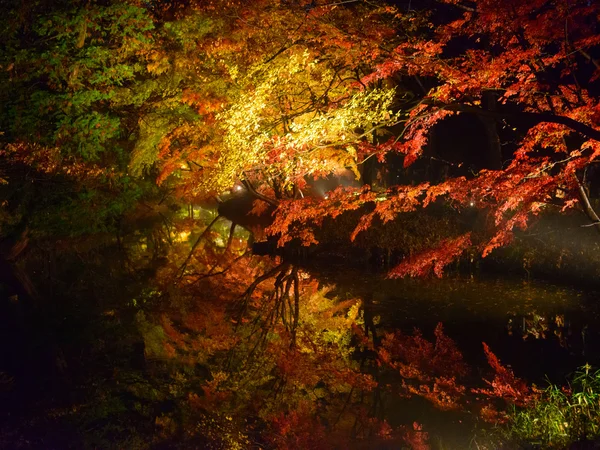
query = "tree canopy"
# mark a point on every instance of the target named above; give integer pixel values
(199, 97)
(273, 93)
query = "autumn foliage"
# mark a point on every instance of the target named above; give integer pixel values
(115, 110)
(274, 95)
(539, 77)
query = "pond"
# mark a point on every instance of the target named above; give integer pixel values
(226, 349)
(543, 331)
(527, 321)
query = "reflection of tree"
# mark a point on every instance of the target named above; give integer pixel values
(265, 343)
(295, 356)
(535, 325)
(248, 350)
(279, 353)
(280, 305)
(300, 366)
(239, 350)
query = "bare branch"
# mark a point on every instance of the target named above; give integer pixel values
(182, 268)
(587, 206)
(258, 195)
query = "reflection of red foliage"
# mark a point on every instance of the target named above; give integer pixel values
(440, 359)
(490, 414)
(429, 370)
(433, 260)
(385, 430)
(444, 395)
(299, 368)
(505, 385)
(298, 429)
(416, 438)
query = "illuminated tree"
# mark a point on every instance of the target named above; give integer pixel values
(290, 103)
(529, 66)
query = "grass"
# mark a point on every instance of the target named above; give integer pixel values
(559, 417)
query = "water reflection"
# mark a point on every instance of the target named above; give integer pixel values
(240, 351)
(259, 352)
(311, 361)
(319, 355)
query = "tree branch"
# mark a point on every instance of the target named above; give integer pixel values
(536, 118)
(182, 268)
(465, 8)
(587, 206)
(258, 195)
(461, 6)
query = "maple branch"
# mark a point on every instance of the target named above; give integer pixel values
(296, 305)
(593, 224)
(230, 239)
(281, 268)
(285, 47)
(471, 9)
(464, 7)
(536, 118)
(258, 195)
(546, 168)
(587, 56)
(212, 273)
(587, 206)
(337, 3)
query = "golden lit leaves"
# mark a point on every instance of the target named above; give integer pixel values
(290, 102)
(158, 63)
(298, 119)
(152, 129)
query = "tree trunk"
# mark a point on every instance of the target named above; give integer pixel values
(493, 158)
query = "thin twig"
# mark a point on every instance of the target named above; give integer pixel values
(182, 268)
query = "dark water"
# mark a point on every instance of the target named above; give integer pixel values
(543, 331)
(538, 327)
